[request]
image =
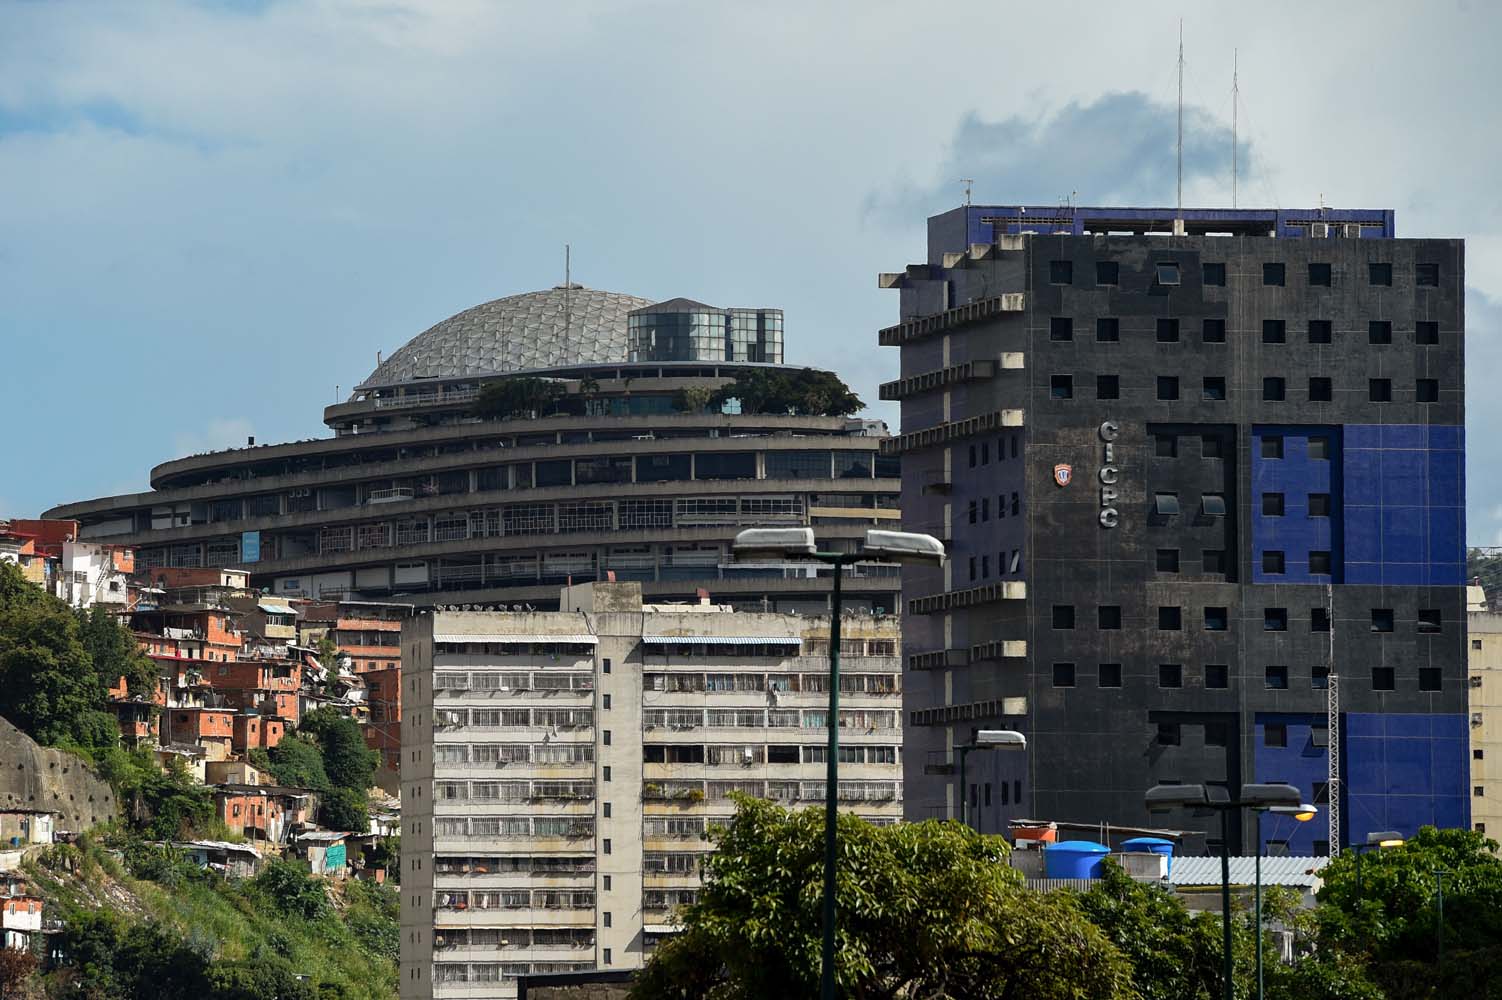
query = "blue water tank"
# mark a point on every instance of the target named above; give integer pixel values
(1074, 859)
(1153, 845)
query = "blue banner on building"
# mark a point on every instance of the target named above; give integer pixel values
(250, 546)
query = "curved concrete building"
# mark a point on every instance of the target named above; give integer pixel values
(414, 496)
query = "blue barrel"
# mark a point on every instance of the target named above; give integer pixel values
(1151, 845)
(1074, 859)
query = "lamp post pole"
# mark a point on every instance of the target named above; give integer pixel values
(1439, 922)
(963, 751)
(1225, 898)
(1257, 908)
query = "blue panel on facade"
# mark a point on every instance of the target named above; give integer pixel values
(1404, 504)
(1289, 476)
(1403, 772)
(1300, 762)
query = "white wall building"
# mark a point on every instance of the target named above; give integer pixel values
(559, 770)
(94, 574)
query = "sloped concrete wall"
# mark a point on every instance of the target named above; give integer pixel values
(37, 777)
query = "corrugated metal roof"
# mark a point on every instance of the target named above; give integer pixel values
(1291, 871)
(511, 637)
(276, 606)
(724, 640)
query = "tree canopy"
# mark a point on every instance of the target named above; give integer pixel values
(522, 396)
(796, 391)
(926, 909)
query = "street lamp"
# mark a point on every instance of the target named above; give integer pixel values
(1380, 840)
(798, 543)
(1162, 798)
(985, 739)
(1439, 917)
(1303, 812)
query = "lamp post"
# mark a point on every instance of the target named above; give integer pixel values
(1439, 916)
(1374, 841)
(1303, 813)
(985, 739)
(1162, 798)
(798, 544)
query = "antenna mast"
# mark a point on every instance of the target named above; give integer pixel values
(1181, 116)
(967, 181)
(1235, 100)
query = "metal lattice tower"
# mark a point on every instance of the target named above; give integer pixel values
(1332, 722)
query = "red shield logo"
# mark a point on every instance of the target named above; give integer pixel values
(1062, 474)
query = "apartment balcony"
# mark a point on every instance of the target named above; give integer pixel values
(524, 917)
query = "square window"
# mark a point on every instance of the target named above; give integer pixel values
(1272, 446)
(1478, 754)
(1319, 448)
(1274, 331)
(1213, 274)
(1272, 562)
(1272, 274)
(1274, 734)
(1107, 387)
(1277, 678)
(1382, 619)
(1384, 679)
(1275, 619)
(1061, 272)
(1107, 272)
(1217, 676)
(1379, 273)
(1379, 332)
(1430, 679)
(1061, 386)
(1320, 389)
(1166, 445)
(1213, 331)
(1426, 275)
(1210, 446)
(1168, 387)
(1379, 390)
(1321, 331)
(1430, 622)
(1165, 504)
(1108, 330)
(972, 456)
(1319, 619)
(1319, 676)
(1167, 273)
(1426, 332)
(1479, 791)
(1063, 616)
(1319, 505)
(1168, 734)
(1063, 675)
(1108, 616)
(1213, 561)
(1170, 675)
(1273, 390)
(1110, 675)
(1272, 505)
(1060, 328)
(1319, 274)
(1426, 390)
(1216, 619)
(1168, 331)
(1213, 504)
(1216, 734)
(1170, 619)
(1319, 562)
(1168, 560)
(1215, 388)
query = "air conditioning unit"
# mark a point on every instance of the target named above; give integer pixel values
(1351, 230)
(1475, 718)
(1475, 682)
(1319, 230)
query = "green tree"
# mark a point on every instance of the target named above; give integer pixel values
(289, 889)
(523, 396)
(115, 653)
(326, 650)
(165, 804)
(344, 809)
(798, 391)
(295, 761)
(347, 761)
(926, 910)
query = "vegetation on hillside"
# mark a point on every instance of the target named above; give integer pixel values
(141, 920)
(327, 753)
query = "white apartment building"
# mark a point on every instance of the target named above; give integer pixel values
(560, 769)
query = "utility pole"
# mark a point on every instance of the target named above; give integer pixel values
(1181, 118)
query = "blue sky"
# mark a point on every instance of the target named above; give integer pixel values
(216, 213)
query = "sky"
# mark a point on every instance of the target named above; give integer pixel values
(216, 213)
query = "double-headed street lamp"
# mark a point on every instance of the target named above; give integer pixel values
(1162, 798)
(1303, 813)
(798, 544)
(985, 739)
(1380, 840)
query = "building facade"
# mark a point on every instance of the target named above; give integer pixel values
(1201, 475)
(1485, 709)
(632, 476)
(560, 770)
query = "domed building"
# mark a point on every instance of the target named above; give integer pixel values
(626, 473)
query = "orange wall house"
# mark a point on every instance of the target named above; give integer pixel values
(383, 733)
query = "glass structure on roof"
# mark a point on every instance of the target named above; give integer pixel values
(683, 330)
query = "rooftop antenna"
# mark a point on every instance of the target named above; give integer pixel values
(1235, 100)
(1181, 118)
(967, 181)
